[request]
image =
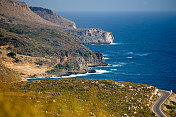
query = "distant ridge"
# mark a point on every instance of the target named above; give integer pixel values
(19, 12)
(51, 16)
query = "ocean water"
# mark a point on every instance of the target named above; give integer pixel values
(144, 48)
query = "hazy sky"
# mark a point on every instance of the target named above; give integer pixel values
(105, 5)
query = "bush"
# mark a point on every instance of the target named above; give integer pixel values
(39, 63)
(59, 66)
(11, 54)
(67, 66)
(1, 34)
(9, 48)
(169, 107)
(17, 31)
(17, 60)
(51, 71)
(174, 103)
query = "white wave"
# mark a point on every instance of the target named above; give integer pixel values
(105, 54)
(106, 58)
(129, 57)
(72, 75)
(130, 74)
(101, 72)
(137, 54)
(78, 75)
(113, 69)
(145, 54)
(120, 64)
(129, 53)
(114, 43)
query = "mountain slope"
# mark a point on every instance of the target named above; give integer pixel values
(38, 44)
(51, 16)
(19, 12)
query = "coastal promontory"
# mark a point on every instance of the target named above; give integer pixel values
(86, 36)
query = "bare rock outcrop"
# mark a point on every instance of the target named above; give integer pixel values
(93, 36)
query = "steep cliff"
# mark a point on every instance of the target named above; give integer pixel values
(51, 16)
(93, 36)
(86, 36)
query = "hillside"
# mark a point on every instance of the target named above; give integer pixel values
(77, 98)
(8, 75)
(51, 16)
(18, 12)
(41, 49)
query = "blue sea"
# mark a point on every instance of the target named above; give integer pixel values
(144, 48)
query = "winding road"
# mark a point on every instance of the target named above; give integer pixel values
(157, 106)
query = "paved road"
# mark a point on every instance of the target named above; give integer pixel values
(157, 106)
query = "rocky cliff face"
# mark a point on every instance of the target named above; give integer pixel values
(93, 36)
(86, 36)
(51, 16)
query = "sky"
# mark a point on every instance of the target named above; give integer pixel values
(105, 5)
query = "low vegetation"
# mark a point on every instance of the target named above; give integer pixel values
(59, 67)
(171, 109)
(75, 98)
(8, 75)
(47, 43)
(39, 41)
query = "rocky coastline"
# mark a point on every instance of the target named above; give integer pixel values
(36, 42)
(86, 36)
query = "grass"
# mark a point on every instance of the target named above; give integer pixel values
(76, 98)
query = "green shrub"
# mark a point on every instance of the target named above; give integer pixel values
(67, 66)
(174, 103)
(39, 62)
(59, 66)
(51, 71)
(169, 107)
(9, 48)
(17, 31)
(1, 34)
(17, 60)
